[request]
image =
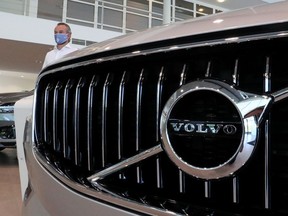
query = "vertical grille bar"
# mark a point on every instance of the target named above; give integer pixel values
(139, 119)
(46, 113)
(208, 70)
(181, 173)
(236, 190)
(267, 141)
(120, 116)
(55, 116)
(77, 120)
(182, 181)
(104, 116)
(236, 73)
(183, 75)
(207, 185)
(158, 104)
(92, 86)
(267, 169)
(65, 117)
(235, 180)
(267, 76)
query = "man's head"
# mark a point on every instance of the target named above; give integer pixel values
(62, 33)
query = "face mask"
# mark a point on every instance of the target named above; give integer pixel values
(60, 38)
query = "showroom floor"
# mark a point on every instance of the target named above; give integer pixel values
(10, 192)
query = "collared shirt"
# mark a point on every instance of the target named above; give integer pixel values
(55, 54)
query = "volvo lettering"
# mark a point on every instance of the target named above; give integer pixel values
(193, 128)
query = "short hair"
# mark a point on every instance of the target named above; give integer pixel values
(65, 24)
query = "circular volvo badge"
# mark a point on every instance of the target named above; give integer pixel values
(209, 129)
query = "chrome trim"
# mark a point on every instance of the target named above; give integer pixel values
(104, 115)
(138, 120)
(267, 76)
(251, 109)
(77, 102)
(158, 113)
(207, 190)
(46, 117)
(235, 76)
(280, 95)
(126, 163)
(55, 116)
(102, 194)
(267, 189)
(182, 178)
(208, 72)
(65, 117)
(183, 75)
(120, 116)
(236, 189)
(180, 173)
(92, 86)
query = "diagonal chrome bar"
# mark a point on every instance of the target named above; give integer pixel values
(126, 163)
(280, 95)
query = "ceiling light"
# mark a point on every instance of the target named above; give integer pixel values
(220, 1)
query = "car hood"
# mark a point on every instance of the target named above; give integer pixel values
(247, 17)
(12, 97)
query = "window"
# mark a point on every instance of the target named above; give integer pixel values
(50, 9)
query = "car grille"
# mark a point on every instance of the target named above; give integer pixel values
(94, 115)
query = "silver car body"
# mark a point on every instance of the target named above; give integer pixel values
(44, 193)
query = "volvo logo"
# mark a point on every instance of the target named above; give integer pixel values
(210, 129)
(193, 128)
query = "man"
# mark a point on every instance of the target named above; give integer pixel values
(62, 35)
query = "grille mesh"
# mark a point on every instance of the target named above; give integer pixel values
(93, 116)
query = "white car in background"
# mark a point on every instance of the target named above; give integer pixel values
(184, 119)
(7, 124)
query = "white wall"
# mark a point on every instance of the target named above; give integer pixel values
(41, 31)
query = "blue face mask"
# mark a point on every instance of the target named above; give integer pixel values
(60, 38)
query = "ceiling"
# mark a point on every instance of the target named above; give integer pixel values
(28, 57)
(18, 56)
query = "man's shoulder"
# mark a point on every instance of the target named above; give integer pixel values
(51, 51)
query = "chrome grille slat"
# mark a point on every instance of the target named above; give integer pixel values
(158, 113)
(181, 181)
(208, 71)
(104, 116)
(236, 74)
(236, 190)
(207, 189)
(139, 120)
(55, 117)
(65, 118)
(181, 173)
(77, 104)
(90, 128)
(46, 117)
(267, 75)
(183, 75)
(267, 184)
(120, 116)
